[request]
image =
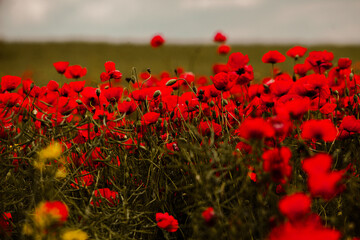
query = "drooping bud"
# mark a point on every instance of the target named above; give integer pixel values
(171, 82)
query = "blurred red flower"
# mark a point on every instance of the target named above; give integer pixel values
(224, 81)
(61, 66)
(75, 71)
(296, 52)
(318, 130)
(219, 37)
(209, 216)
(276, 161)
(157, 41)
(167, 222)
(273, 57)
(295, 207)
(223, 49)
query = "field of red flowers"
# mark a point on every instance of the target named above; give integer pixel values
(177, 156)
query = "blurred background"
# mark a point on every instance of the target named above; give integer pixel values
(36, 33)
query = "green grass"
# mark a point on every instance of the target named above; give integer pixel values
(35, 59)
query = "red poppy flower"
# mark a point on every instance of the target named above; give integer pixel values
(310, 229)
(276, 161)
(318, 164)
(167, 222)
(237, 61)
(302, 69)
(157, 41)
(205, 128)
(219, 37)
(9, 83)
(318, 130)
(75, 71)
(57, 210)
(344, 63)
(5, 226)
(112, 94)
(61, 66)
(350, 124)
(52, 85)
(223, 49)
(77, 86)
(295, 207)
(296, 52)
(273, 57)
(127, 107)
(110, 196)
(150, 118)
(326, 185)
(220, 67)
(224, 81)
(328, 108)
(255, 128)
(209, 216)
(85, 179)
(320, 60)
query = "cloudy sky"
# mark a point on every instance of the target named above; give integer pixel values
(243, 21)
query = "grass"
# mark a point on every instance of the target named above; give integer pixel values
(35, 59)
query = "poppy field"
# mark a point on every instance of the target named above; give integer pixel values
(181, 155)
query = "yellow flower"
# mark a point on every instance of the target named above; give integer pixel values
(52, 151)
(74, 235)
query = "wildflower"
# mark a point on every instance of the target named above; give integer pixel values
(295, 207)
(224, 81)
(167, 222)
(273, 57)
(219, 37)
(106, 193)
(61, 66)
(296, 52)
(157, 41)
(9, 83)
(255, 128)
(318, 130)
(150, 118)
(50, 214)
(344, 63)
(77, 86)
(74, 235)
(52, 151)
(209, 216)
(75, 71)
(223, 49)
(276, 161)
(320, 60)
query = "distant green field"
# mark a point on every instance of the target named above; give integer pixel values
(35, 59)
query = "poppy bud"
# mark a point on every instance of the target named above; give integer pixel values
(356, 98)
(171, 82)
(148, 70)
(336, 92)
(159, 120)
(157, 93)
(161, 105)
(128, 79)
(236, 112)
(347, 92)
(211, 104)
(187, 103)
(351, 76)
(195, 89)
(98, 92)
(78, 101)
(224, 102)
(201, 91)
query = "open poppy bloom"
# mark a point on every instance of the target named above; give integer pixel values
(296, 52)
(61, 66)
(273, 57)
